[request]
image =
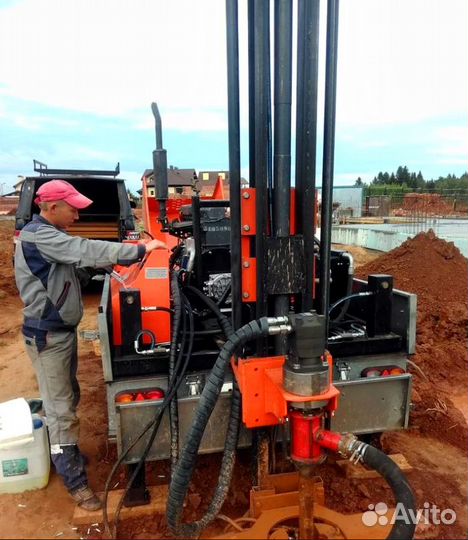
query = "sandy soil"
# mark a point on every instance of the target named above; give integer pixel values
(435, 445)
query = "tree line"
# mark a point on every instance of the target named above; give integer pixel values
(403, 180)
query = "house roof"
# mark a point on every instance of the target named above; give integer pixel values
(175, 176)
(209, 178)
(184, 177)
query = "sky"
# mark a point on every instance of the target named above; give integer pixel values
(77, 78)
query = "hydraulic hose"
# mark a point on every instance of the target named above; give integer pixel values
(179, 375)
(222, 319)
(380, 462)
(184, 469)
(349, 446)
(347, 298)
(173, 406)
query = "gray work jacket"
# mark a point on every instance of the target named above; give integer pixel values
(46, 259)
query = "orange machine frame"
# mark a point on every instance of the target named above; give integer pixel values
(248, 231)
(151, 276)
(264, 400)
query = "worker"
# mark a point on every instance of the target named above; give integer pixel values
(46, 264)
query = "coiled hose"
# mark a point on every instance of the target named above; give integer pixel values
(183, 472)
(381, 463)
(173, 406)
(153, 426)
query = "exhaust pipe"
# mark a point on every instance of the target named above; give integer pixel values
(160, 169)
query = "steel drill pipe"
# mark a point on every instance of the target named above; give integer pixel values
(328, 155)
(234, 157)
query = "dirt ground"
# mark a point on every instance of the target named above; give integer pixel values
(435, 445)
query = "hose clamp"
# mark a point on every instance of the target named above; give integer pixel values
(352, 448)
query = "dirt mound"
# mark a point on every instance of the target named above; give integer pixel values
(425, 203)
(7, 276)
(437, 272)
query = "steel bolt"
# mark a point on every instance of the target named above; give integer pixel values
(246, 195)
(246, 227)
(245, 294)
(246, 264)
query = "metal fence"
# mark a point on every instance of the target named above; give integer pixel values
(418, 211)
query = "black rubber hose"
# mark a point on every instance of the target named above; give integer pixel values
(173, 406)
(380, 462)
(232, 436)
(347, 298)
(193, 530)
(174, 383)
(222, 319)
(183, 472)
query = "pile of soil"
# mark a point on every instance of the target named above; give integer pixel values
(426, 203)
(7, 276)
(436, 271)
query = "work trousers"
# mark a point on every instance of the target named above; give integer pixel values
(56, 363)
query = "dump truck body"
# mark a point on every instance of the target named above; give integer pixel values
(110, 217)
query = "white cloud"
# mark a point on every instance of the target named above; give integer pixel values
(398, 61)
(453, 142)
(402, 61)
(110, 57)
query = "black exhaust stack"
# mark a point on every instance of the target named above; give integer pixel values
(160, 169)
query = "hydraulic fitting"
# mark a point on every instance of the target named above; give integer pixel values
(305, 450)
(305, 372)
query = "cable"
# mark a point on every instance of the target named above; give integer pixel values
(349, 297)
(174, 384)
(222, 319)
(157, 422)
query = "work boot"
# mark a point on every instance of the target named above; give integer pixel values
(86, 499)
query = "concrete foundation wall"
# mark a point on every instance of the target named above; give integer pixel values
(383, 240)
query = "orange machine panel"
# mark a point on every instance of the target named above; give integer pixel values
(264, 400)
(151, 277)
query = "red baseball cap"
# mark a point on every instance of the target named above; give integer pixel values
(60, 190)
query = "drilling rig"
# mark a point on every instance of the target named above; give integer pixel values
(249, 322)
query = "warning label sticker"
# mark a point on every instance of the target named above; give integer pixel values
(15, 467)
(156, 273)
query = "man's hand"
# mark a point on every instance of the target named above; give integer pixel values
(154, 244)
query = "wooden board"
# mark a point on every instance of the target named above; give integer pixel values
(359, 471)
(157, 505)
(94, 229)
